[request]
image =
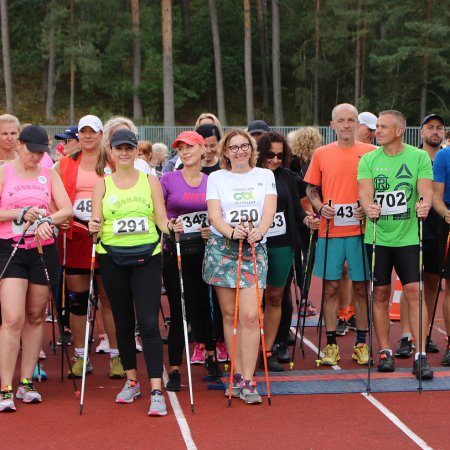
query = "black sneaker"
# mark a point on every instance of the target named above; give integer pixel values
(351, 323)
(282, 353)
(213, 367)
(272, 364)
(66, 337)
(422, 364)
(431, 347)
(405, 348)
(341, 327)
(386, 363)
(291, 338)
(174, 383)
(445, 361)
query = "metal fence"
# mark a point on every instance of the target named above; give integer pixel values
(168, 134)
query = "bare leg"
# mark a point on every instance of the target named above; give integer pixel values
(272, 314)
(331, 304)
(359, 288)
(381, 315)
(411, 291)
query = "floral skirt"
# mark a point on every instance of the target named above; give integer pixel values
(220, 263)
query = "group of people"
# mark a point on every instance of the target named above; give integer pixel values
(238, 209)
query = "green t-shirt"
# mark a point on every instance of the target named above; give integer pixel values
(395, 185)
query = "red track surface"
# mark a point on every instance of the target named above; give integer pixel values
(292, 422)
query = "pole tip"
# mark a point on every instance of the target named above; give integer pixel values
(77, 394)
(229, 403)
(270, 401)
(81, 410)
(318, 362)
(192, 408)
(291, 365)
(226, 367)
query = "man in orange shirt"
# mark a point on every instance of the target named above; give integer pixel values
(332, 176)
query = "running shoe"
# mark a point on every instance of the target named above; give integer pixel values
(7, 399)
(331, 355)
(291, 337)
(235, 387)
(77, 368)
(351, 323)
(103, 347)
(311, 310)
(431, 347)
(42, 355)
(221, 351)
(174, 383)
(50, 319)
(27, 392)
(248, 392)
(405, 347)
(66, 338)
(445, 361)
(386, 362)
(213, 367)
(361, 353)
(39, 373)
(272, 363)
(199, 355)
(282, 353)
(422, 365)
(138, 345)
(129, 393)
(157, 404)
(341, 327)
(115, 368)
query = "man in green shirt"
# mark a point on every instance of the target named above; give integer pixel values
(392, 178)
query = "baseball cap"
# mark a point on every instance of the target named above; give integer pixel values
(123, 136)
(426, 119)
(188, 137)
(258, 126)
(368, 119)
(35, 138)
(90, 121)
(69, 133)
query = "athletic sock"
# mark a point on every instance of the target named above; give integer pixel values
(407, 335)
(79, 352)
(350, 312)
(331, 338)
(388, 350)
(360, 337)
(343, 313)
(113, 352)
(416, 356)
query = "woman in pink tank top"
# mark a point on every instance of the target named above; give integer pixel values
(34, 195)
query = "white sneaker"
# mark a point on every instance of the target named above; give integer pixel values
(138, 345)
(42, 354)
(103, 347)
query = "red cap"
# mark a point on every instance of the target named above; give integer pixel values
(188, 137)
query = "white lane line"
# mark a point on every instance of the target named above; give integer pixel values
(390, 415)
(182, 422)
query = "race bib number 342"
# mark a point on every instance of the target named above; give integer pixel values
(193, 221)
(393, 202)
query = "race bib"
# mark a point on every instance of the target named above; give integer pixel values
(233, 217)
(393, 202)
(193, 221)
(345, 214)
(18, 229)
(278, 226)
(82, 209)
(130, 225)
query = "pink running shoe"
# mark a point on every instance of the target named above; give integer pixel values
(221, 351)
(199, 355)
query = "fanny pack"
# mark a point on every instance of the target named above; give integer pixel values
(131, 256)
(190, 244)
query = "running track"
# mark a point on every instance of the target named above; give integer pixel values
(397, 420)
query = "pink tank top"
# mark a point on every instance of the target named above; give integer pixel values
(18, 193)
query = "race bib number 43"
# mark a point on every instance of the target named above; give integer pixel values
(393, 202)
(345, 215)
(130, 225)
(193, 221)
(234, 216)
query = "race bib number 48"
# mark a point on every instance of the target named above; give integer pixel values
(393, 202)
(193, 221)
(345, 215)
(130, 225)
(234, 216)
(82, 209)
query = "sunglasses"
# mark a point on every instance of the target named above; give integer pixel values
(271, 155)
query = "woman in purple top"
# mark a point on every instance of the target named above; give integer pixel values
(185, 196)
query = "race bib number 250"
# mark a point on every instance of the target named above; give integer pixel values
(234, 216)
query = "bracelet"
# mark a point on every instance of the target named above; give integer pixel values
(320, 209)
(20, 217)
(47, 219)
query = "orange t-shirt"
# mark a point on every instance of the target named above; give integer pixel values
(335, 170)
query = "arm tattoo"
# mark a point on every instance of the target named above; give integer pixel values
(313, 192)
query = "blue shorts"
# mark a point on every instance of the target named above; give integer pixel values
(341, 249)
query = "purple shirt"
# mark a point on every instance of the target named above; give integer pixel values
(181, 198)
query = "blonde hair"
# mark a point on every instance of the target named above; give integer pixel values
(224, 143)
(111, 125)
(9, 118)
(304, 141)
(211, 116)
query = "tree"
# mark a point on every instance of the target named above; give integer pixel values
(6, 57)
(169, 108)
(276, 69)
(248, 63)
(263, 53)
(316, 68)
(72, 65)
(217, 62)
(426, 62)
(137, 105)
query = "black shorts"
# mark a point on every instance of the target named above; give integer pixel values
(405, 260)
(27, 264)
(431, 256)
(74, 271)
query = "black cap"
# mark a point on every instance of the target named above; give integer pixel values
(426, 119)
(123, 136)
(258, 126)
(35, 138)
(70, 133)
(207, 130)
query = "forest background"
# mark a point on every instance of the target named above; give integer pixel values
(164, 62)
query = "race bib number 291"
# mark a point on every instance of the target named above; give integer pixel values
(130, 225)
(393, 202)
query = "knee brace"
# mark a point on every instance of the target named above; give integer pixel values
(78, 302)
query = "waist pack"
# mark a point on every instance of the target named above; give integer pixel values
(130, 256)
(190, 244)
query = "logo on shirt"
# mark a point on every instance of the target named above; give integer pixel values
(238, 196)
(403, 172)
(381, 183)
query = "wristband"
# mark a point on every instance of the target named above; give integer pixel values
(47, 219)
(232, 234)
(320, 209)
(20, 217)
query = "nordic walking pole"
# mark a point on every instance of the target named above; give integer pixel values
(63, 300)
(14, 251)
(88, 321)
(324, 283)
(236, 314)
(183, 311)
(372, 297)
(94, 304)
(53, 342)
(439, 286)
(49, 285)
(420, 296)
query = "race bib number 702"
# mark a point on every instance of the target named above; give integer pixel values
(393, 202)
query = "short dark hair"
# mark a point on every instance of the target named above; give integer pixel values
(265, 144)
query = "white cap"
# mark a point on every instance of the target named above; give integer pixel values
(365, 118)
(90, 121)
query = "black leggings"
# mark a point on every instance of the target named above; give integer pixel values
(196, 294)
(129, 289)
